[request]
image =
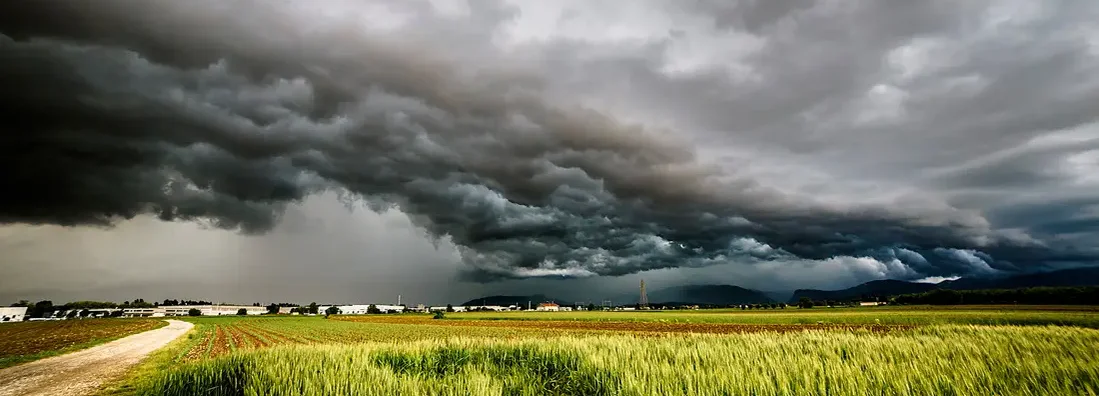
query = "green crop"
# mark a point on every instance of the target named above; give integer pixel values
(936, 360)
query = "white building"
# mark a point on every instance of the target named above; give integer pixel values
(361, 309)
(457, 308)
(871, 303)
(548, 306)
(142, 312)
(184, 310)
(285, 310)
(12, 314)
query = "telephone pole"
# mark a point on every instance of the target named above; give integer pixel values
(643, 302)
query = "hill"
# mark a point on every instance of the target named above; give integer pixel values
(868, 290)
(705, 294)
(514, 300)
(885, 288)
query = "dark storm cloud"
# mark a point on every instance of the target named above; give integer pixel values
(224, 114)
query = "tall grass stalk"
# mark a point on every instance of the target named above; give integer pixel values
(939, 360)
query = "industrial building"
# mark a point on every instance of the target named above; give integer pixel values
(184, 310)
(361, 309)
(12, 314)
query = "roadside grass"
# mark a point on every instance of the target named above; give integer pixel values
(29, 341)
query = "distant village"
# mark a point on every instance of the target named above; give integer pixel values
(44, 310)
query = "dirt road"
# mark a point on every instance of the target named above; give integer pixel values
(80, 373)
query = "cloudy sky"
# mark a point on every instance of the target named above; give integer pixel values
(350, 151)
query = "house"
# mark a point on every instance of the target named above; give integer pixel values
(548, 306)
(285, 310)
(12, 314)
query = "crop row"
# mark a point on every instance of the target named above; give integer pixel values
(220, 336)
(625, 326)
(971, 360)
(994, 316)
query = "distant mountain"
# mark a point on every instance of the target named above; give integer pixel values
(868, 290)
(1069, 277)
(704, 294)
(885, 288)
(514, 300)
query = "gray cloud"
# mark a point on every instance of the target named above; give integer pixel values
(843, 133)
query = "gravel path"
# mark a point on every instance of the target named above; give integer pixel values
(81, 373)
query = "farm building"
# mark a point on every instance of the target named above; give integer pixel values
(548, 306)
(12, 314)
(360, 309)
(870, 303)
(285, 310)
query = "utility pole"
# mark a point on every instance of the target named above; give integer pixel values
(398, 299)
(643, 302)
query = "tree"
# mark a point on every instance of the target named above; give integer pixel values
(805, 302)
(194, 312)
(373, 309)
(72, 313)
(40, 309)
(85, 312)
(22, 303)
(313, 309)
(591, 307)
(242, 312)
(273, 308)
(449, 308)
(116, 313)
(439, 315)
(334, 310)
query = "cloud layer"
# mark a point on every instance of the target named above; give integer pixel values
(907, 141)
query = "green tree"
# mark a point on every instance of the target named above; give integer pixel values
(194, 312)
(40, 309)
(22, 303)
(439, 315)
(273, 308)
(591, 307)
(805, 302)
(449, 308)
(334, 310)
(372, 309)
(313, 309)
(85, 312)
(242, 312)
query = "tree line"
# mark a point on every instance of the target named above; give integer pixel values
(1088, 295)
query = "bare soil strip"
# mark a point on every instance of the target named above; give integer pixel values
(80, 373)
(658, 327)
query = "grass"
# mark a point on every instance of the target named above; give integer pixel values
(953, 360)
(28, 341)
(869, 351)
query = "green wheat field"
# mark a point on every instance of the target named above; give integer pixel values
(1024, 351)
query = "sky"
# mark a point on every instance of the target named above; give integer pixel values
(353, 151)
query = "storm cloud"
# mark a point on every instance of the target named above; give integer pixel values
(909, 139)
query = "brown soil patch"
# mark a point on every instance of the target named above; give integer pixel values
(26, 338)
(646, 327)
(221, 342)
(256, 342)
